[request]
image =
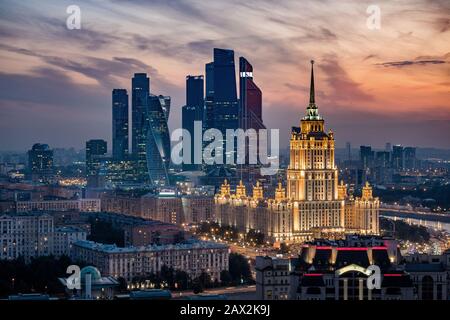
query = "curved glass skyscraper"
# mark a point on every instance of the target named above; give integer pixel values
(158, 140)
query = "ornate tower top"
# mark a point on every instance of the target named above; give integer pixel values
(225, 188)
(280, 193)
(342, 191)
(312, 112)
(257, 191)
(367, 192)
(240, 190)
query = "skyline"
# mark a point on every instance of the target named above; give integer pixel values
(67, 101)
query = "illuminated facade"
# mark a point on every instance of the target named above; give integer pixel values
(313, 202)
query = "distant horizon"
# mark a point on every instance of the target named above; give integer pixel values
(355, 148)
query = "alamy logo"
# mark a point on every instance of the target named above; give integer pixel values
(373, 21)
(372, 272)
(74, 280)
(374, 279)
(73, 21)
(77, 275)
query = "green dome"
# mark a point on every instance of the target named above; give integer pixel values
(95, 274)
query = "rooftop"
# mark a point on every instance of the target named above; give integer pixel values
(186, 245)
(68, 229)
(424, 267)
(123, 218)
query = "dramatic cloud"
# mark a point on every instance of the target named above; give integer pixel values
(56, 82)
(409, 63)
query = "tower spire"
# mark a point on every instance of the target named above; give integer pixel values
(312, 99)
(312, 112)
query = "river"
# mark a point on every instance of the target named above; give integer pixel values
(439, 223)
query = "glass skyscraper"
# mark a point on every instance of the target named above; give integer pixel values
(140, 86)
(225, 95)
(95, 150)
(192, 111)
(250, 106)
(221, 103)
(119, 124)
(158, 140)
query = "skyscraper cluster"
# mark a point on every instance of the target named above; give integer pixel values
(149, 160)
(219, 107)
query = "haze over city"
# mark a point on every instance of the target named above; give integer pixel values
(386, 85)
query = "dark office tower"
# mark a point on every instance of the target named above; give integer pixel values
(120, 124)
(192, 111)
(225, 96)
(250, 111)
(348, 148)
(410, 157)
(397, 157)
(208, 114)
(95, 150)
(40, 162)
(194, 92)
(366, 156)
(140, 86)
(158, 141)
(221, 104)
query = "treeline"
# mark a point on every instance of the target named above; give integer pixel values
(238, 273)
(404, 231)
(440, 193)
(230, 233)
(39, 275)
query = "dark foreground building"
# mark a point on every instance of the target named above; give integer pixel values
(340, 270)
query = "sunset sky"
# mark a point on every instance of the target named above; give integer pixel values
(373, 86)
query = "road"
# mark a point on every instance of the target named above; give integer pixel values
(228, 291)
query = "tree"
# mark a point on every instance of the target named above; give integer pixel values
(225, 277)
(284, 248)
(197, 288)
(182, 279)
(167, 275)
(122, 284)
(205, 280)
(239, 268)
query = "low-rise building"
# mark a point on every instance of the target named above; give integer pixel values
(193, 257)
(139, 231)
(64, 237)
(272, 278)
(26, 235)
(85, 205)
(33, 234)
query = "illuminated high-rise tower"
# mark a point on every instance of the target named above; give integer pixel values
(158, 140)
(191, 112)
(140, 87)
(312, 176)
(250, 108)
